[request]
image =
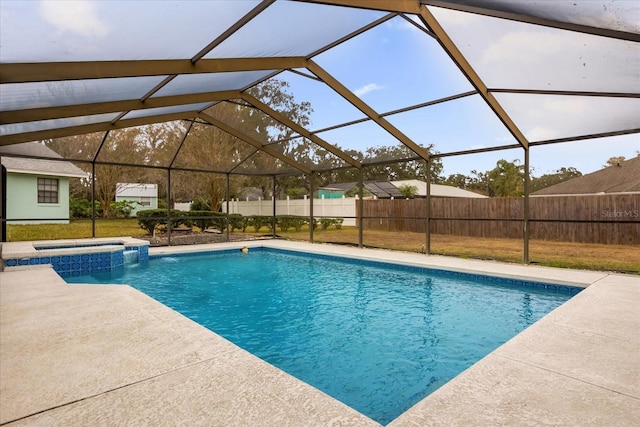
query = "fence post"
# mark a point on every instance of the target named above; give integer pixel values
(361, 205)
(273, 219)
(226, 197)
(427, 248)
(525, 231)
(311, 185)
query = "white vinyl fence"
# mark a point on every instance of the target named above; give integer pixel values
(344, 207)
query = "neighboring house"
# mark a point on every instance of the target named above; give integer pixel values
(390, 189)
(252, 194)
(141, 196)
(623, 178)
(377, 189)
(37, 189)
(438, 190)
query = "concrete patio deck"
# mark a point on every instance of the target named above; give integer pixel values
(110, 355)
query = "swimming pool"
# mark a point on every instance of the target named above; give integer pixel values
(379, 337)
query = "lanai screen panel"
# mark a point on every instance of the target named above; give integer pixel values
(151, 112)
(522, 76)
(548, 117)
(77, 147)
(261, 163)
(208, 148)
(105, 30)
(288, 28)
(42, 125)
(249, 121)
(307, 153)
(609, 14)
(516, 55)
(21, 96)
(404, 67)
(458, 125)
(211, 82)
(151, 145)
(327, 108)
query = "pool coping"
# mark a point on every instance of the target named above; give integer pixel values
(578, 365)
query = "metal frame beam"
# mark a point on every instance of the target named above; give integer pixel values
(299, 129)
(64, 111)
(399, 6)
(334, 84)
(31, 72)
(513, 16)
(95, 127)
(249, 140)
(465, 67)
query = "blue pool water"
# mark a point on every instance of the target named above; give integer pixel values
(375, 336)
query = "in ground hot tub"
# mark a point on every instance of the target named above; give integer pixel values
(76, 257)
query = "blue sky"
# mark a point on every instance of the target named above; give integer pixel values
(392, 66)
(396, 65)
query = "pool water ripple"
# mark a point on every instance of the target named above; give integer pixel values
(377, 338)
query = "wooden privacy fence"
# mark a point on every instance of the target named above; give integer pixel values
(608, 219)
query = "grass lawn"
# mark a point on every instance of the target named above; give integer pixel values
(623, 258)
(76, 229)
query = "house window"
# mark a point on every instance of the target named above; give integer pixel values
(145, 201)
(47, 190)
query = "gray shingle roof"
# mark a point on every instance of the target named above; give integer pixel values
(622, 178)
(37, 166)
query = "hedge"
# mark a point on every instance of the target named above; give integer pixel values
(149, 219)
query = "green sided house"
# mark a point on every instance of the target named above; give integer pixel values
(35, 190)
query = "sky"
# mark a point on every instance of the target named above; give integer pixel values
(391, 66)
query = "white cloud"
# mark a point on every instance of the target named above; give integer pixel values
(75, 16)
(367, 88)
(570, 106)
(523, 48)
(541, 134)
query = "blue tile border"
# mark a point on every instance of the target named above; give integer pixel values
(82, 262)
(487, 279)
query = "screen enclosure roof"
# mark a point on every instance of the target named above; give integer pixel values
(539, 72)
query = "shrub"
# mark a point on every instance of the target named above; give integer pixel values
(201, 219)
(81, 208)
(259, 221)
(219, 221)
(121, 209)
(286, 222)
(238, 222)
(151, 218)
(199, 204)
(179, 218)
(328, 222)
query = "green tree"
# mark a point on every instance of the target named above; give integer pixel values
(408, 191)
(404, 168)
(457, 180)
(614, 161)
(506, 179)
(560, 175)
(124, 145)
